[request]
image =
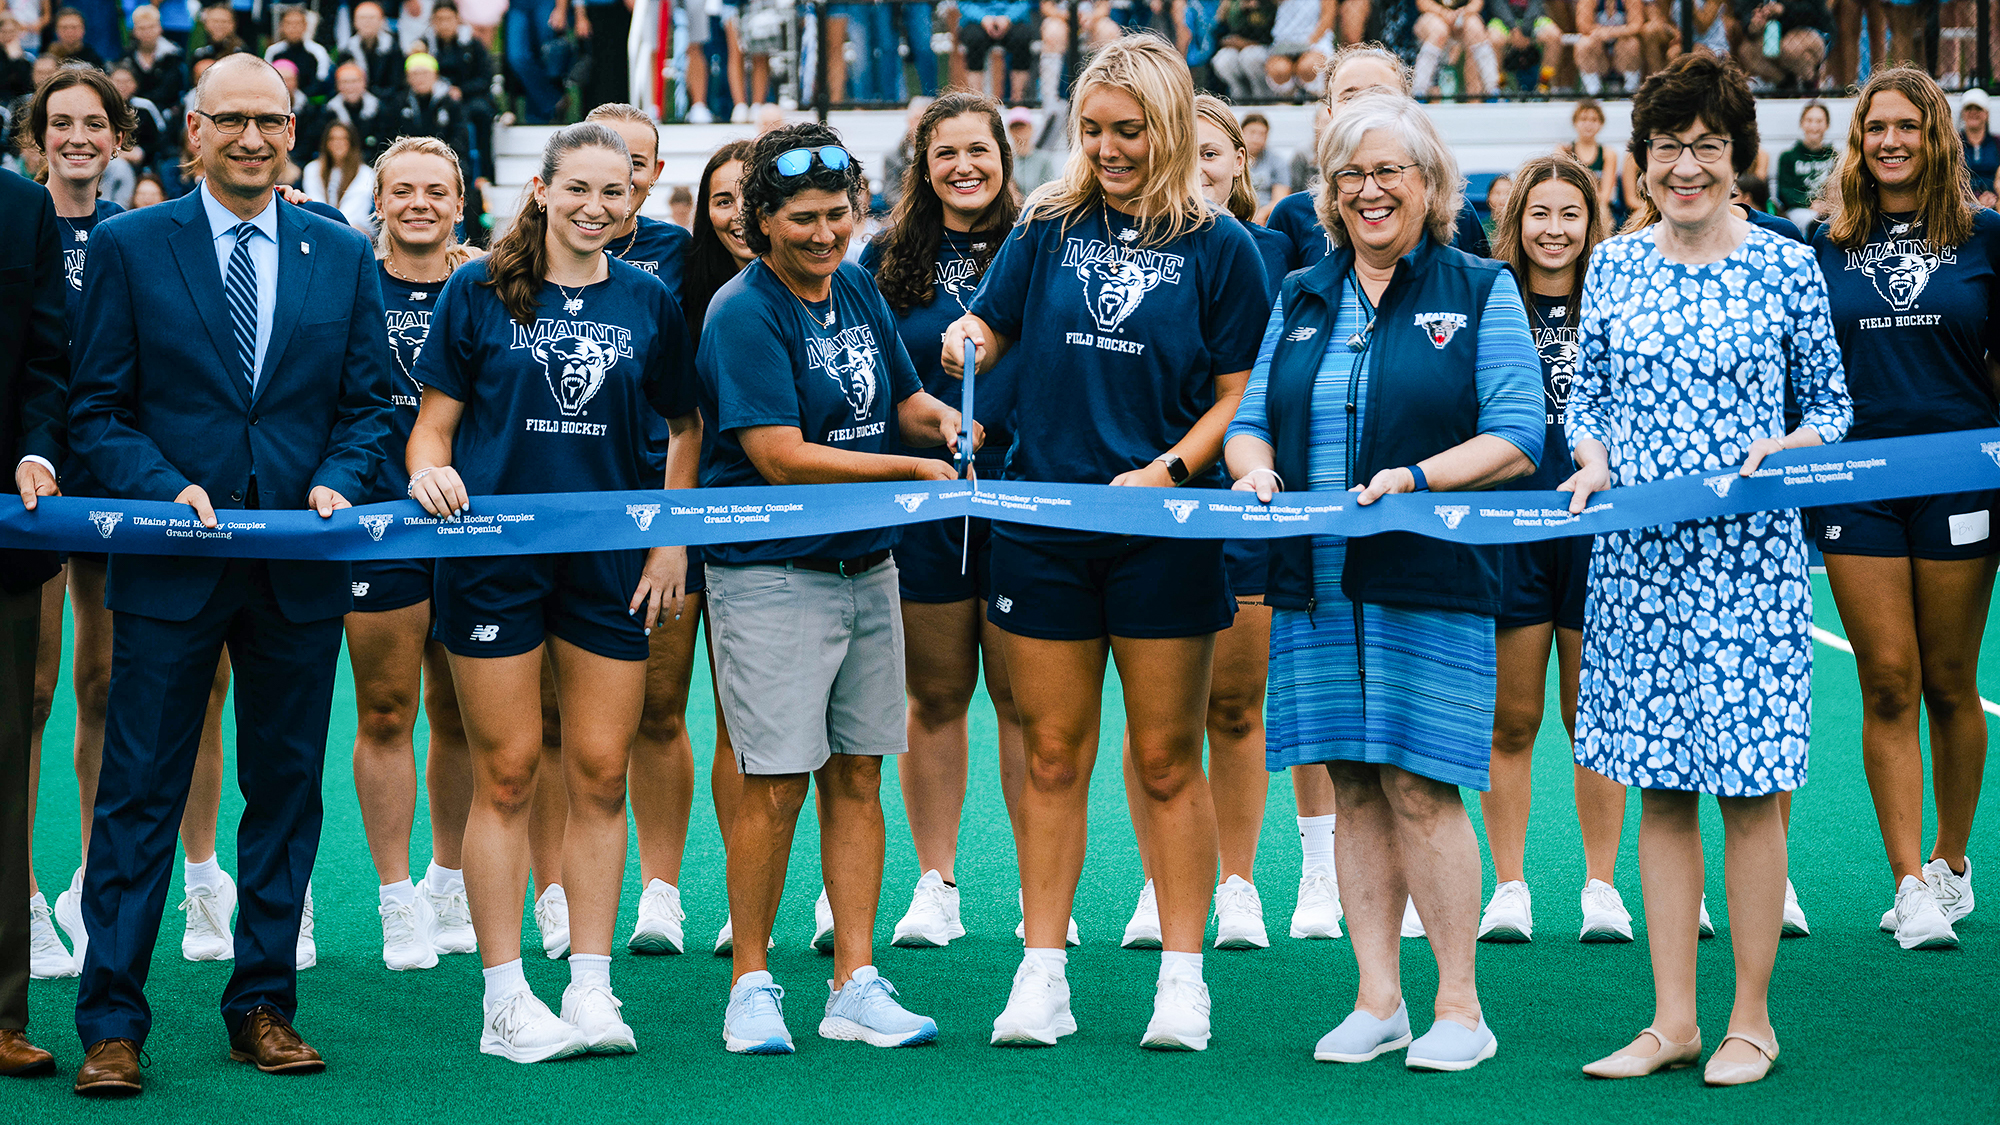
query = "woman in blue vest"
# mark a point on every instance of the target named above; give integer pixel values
(1397, 364)
(1674, 379)
(1133, 303)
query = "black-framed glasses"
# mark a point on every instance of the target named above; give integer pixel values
(230, 124)
(1388, 177)
(1707, 150)
(797, 161)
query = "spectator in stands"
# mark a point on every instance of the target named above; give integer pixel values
(423, 109)
(70, 45)
(893, 162)
(1305, 161)
(680, 206)
(355, 105)
(1663, 38)
(1094, 27)
(176, 21)
(1608, 38)
(1588, 120)
(1268, 175)
(1007, 26)
(17, 69)
(340, 178)
(1982, 150)
(157, 62)
(1908, 40)
(310, 119)
(606, 25)
(1804, 26)
(150, 131)
(1033, 165)
(413, 20)
(1447, 27)
(1497, 194)
(1803, 167)
(104, 22)
(1301, 40)
(532, 27)
(888, 26)
(484, 17)
(464, 63)
(1529, 42)
(1245, 28)
(315, 66)
(1843, 60)
(376, 50)
(147, 191)
(218, 26)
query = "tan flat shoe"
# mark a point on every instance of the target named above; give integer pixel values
(1721, 1073)
(1670, 1056)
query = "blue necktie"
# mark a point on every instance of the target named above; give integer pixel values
(241, 285)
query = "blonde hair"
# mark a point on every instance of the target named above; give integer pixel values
(456, 252)
(1147, 68)
(626, 111)
(1944, 187)
(1242, 201)
(1408, 124)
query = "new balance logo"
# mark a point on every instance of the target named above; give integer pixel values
(376, 525)
(1721, 484)
(1182, 509)
(1451, 514)
(1832, 531)
(911, 501)
(642, 514)
(1004, 604)
(105, 521)
(486, 632)
(360, 589)
(1302, 333)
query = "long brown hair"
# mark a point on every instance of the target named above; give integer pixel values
(519, 262)
(1242, 201)
(1944, 187)
(349, 166)
(907, 270)
(1558, 167)
(710, 265)
(33, 128)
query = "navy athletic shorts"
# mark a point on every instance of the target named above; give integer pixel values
(930, 555)
(505, 605)
(1955, 526)
(1544, 581)
(1121, 586)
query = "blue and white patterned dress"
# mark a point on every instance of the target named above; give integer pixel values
(1697, 646)
(1392, 685)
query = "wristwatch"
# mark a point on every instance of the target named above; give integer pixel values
(1176, 468)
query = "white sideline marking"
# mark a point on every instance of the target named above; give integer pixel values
(1834, 640)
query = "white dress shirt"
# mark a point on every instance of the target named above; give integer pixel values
(222, 225)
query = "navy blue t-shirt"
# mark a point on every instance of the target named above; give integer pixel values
(1116, 350)
(661, 250)
(778, 365)
(1552, 321)
(561, 405)
(406, 314)
(922, 332)
(1295, 218)
(1776, 224)
(1276, 251)
(75, 236)
(1916, 323)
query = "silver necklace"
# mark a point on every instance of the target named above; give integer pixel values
(823, 322)
(80, 235)
(572, 305)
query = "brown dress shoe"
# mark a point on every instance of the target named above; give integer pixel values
(22, 1059)
(270, 1044)
(110, 1070)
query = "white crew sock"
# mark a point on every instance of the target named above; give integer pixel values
(207, 873)
(1427, 66)
(1056, 960)
(1168, 959)
(1316, 840)
(1593, 84)
(440, 879)
(590, 968)
(503, 981)
(404, 892)
(1489, 67)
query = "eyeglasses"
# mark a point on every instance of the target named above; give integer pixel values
(797, 161)
(230, 124)
(1387, 177)
(1707, 150)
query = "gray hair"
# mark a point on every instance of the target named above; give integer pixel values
(1406, 123)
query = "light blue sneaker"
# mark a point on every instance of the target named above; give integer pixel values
(867, 1010)
(1450, 1045)
(754, 1023)
(1361, 1037)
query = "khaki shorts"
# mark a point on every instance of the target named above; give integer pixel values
(808, 665)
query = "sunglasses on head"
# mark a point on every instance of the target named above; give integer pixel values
(797, 161)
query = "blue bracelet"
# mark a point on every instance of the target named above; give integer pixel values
(1423, 485)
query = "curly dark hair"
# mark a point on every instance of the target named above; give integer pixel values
(765, 190)
(1698, 86)
(907, 273)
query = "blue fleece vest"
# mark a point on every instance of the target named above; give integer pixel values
(1423, 399)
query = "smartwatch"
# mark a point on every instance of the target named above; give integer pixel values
(1176, 468)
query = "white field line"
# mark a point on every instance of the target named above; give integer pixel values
(1834, 640)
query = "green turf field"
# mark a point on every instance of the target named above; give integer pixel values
(1867, 1029)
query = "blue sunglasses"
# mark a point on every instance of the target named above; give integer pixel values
(796, 162)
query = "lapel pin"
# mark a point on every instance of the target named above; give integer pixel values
(305, 247)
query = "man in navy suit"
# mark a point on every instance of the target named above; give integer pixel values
(230, 355)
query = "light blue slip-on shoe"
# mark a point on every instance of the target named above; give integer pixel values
(1450, 1045)
(1361, 1037)
(866, 1010)
(754, 1023)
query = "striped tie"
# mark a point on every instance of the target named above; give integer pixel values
(242, 288)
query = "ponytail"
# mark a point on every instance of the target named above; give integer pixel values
(519, 263)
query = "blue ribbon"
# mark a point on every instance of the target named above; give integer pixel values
(593, 521)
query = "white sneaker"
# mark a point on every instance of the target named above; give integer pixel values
(552, 920)
(1037, 1012)
(593, 1011)
(1952, 890)
(307, 954)
(1707, 924)
(822, 923)
(208, 909)
(1510, 916)
(725, 942)
(48, 957)
(1143, 931)
(1239, 916)
(1604, 915)
(658, 929)
(698, 114)
(1021, 927)
(520, 1028)
(69, 915)
(1180, 1012)
(1917, 920)
(740, 115)
(409, 933)
(932, 919)
(454, 918)
(1413, 926)
(1317, 914)
(1795, 917)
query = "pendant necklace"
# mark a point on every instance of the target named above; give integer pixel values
(823, 321)
(572, 305)
(80, 235)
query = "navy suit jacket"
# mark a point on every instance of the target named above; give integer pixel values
(156, 401)
(33, 363)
